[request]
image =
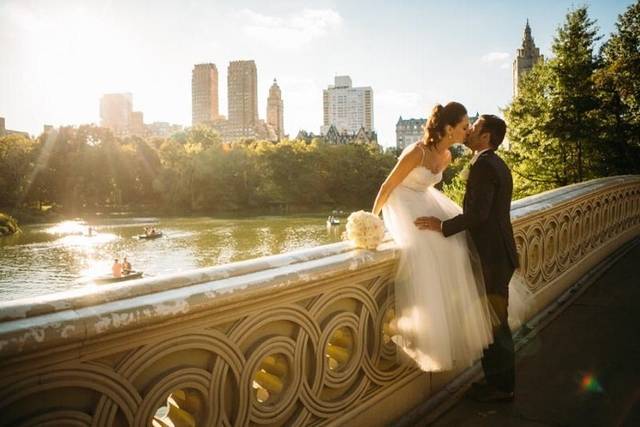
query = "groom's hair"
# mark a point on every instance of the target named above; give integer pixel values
(495, 126)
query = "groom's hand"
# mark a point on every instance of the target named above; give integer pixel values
(428, 223)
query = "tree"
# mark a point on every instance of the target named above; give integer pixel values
(618, 84)
(15, 159)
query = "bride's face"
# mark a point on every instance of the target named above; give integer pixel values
(459, 132)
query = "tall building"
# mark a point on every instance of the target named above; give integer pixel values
(136, 123)
(115, 111)
(347, 108)
(409, 131)
(275, 111)
(242, 82)
(528, 56)
(204, 93)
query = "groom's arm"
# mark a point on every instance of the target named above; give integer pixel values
(481, 189)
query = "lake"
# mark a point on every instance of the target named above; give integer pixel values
(48, 258)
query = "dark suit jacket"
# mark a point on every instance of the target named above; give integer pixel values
(486, 215)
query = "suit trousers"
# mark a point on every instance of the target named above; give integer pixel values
(498, 360)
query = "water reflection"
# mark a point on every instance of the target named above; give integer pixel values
(67, 227)
(53, 257)
(85, 241)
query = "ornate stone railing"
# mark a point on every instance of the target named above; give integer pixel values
(562, 233)
(298, 338)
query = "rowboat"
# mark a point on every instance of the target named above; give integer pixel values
(150, 236)
(333, 221)
(110, 279)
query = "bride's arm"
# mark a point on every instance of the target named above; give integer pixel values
(398, 174)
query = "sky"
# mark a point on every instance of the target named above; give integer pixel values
(58, 57)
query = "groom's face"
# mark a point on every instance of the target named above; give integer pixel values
(475, 136)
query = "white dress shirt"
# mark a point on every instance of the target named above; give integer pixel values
(477, 154)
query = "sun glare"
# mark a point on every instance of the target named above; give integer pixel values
(79, 56)
(85, 241)
(67, 227)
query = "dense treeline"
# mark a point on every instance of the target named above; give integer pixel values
(87, 168)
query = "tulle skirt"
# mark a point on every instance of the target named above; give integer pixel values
(443, 320)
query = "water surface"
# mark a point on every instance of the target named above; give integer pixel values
(47, 258)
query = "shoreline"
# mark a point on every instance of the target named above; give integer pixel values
(29, 216)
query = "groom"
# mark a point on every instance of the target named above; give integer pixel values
(486, 216)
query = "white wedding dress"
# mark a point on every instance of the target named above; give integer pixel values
(443, 321)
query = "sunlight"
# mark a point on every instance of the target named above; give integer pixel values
(80, 55)
(95, 267)
(84, 241)
(67, 227)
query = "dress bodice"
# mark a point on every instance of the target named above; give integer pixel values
(421, 178)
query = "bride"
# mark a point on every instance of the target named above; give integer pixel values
(443, 319)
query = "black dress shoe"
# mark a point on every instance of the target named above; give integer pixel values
(488, 393)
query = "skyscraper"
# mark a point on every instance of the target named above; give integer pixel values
(242, 81)
(136, 123)
(275, 111)
(347, 108)
(204, 93)
(528, 56)
(115, 111)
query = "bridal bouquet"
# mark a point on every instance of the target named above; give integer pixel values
(365, 230)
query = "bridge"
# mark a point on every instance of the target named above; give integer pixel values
(301, 338)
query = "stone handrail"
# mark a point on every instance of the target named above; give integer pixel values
(298, 338)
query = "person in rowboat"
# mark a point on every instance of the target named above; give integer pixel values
(116, 268)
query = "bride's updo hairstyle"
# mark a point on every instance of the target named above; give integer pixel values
(451, 114)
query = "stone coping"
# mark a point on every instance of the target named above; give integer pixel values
(554, 198)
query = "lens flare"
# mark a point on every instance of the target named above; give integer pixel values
(590, 383)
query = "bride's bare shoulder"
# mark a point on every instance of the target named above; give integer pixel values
(413, 150)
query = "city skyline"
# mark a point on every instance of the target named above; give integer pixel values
(61, 57)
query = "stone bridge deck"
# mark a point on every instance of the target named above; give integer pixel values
(578, 368)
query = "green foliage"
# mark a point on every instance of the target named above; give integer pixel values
(537, 157)
(89, 168)
(14, 167)
(618, 85)
(8, 225)
(453, 184)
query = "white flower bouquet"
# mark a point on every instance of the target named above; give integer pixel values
(365, 230)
